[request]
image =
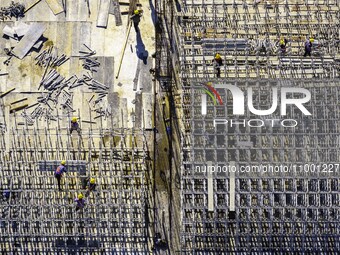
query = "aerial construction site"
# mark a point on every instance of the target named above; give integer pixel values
(169, 127)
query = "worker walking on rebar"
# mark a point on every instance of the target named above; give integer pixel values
(217, 64)
(80, 202)
(136, 19)
(58, 174)
(308, 47)
(74, 125)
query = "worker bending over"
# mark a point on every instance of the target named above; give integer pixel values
(59, 172)
(80, 202)
(90, 185)
(74, 125)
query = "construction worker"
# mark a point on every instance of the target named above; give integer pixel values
(217, 64)
(90, 184)
(283, 43)
(136, 19)
(74, 125)
(308, 47)
(80, 202)
(59, 172)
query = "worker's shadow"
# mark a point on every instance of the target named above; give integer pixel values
(142, 53)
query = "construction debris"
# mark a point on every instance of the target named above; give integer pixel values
(30, 38)
(16, 10)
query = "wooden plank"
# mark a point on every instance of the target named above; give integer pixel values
(26, 43)
(103, 13)
(55, 6)
(210, 187)
(109, 77)
(21, 29)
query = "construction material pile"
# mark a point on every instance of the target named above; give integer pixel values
(57, 88)
(89, 63)
(16, 10)
(49, 57)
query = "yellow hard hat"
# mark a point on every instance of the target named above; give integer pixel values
(136, 12)
(74, 119)
(217, 56)
(282, 41)
(93, 180)
(80, 196)
(63, 162)
(311, 39)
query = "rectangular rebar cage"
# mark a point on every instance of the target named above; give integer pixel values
(291, 207)
(39, 219)
(255, 212)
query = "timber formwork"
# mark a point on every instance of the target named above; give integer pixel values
(39, 219)
(252, 213)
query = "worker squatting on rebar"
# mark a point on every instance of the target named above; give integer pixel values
(217, 64)
(74, 125)
(136, 19)
(80, 202)
(90, 185)
(58, 174)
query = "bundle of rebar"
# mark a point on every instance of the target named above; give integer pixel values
(16, 10)
(49, 58)
(100, 89)
(52, 81)
(89, 63)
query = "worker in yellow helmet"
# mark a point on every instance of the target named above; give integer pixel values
(80, 202)
(74, 125)
(89, 184)
(283, 45)
(217, 64)
(308, 47)
(58, 174)
(137, 14)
